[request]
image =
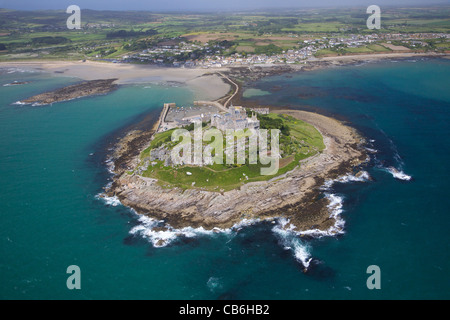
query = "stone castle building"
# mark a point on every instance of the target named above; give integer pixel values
(236, 118)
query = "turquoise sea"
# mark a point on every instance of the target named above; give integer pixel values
(53, 165)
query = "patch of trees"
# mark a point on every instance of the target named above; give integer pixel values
(49, 40)
(224, 43)
(266, 122)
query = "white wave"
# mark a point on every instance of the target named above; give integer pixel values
(245, 223)
(110, 165)
(108, 185)
(335, 208)
(362, 176)
(371, 150)
(398, 174)
(110, 201)
(19, 103)
(146, 229)
(301, 253)
(161, 235)
(290, 240)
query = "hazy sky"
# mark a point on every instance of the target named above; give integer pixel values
(198, 5)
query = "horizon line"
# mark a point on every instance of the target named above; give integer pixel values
(254, 9)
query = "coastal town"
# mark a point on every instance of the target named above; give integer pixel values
(206, 55)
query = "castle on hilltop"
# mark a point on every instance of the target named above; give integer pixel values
(235, 118)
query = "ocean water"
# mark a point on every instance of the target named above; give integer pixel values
(52, 167)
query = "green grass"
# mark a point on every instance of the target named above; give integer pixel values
(378, 48)
(358, 50)
(250, 31)
(307, 140)
(157, 141)
(371, 48)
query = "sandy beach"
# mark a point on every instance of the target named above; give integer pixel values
(205, 84)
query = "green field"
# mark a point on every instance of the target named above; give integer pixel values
(26, 34)
(372, 48)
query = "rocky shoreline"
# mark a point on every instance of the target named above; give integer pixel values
(84, 89)
(255, 72)
(294, 196)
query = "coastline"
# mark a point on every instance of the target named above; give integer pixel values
(302, 193)
(286, 198)
(294, 196)
(206, 83)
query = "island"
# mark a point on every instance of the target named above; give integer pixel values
(312, 149)
(16, 83)
(83, 89)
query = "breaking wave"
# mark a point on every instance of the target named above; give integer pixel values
(19, 103)
(398, 174)
(161, 235)
(110, 201)
(290, 241)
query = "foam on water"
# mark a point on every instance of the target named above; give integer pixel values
(363, 176)
(290, 238)
(110, 201)
(160, 234)
(290, 241)
(19, 103)
(110, 165)
(398, 174)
